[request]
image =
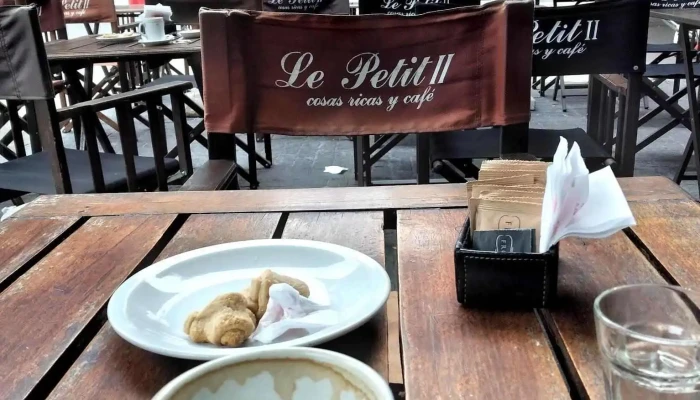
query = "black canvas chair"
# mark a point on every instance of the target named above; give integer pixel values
(613, 34)
(377, 146)
(25, 77)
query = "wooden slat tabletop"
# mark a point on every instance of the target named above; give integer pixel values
(339, 199)
(88, 48)
(63, 256)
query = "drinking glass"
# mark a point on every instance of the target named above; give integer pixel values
(649, 336)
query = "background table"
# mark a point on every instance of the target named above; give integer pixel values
(63, 256)
(75, 54)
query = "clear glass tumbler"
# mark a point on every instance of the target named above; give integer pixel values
(649, 336)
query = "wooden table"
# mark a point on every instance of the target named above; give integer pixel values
(63, 256)
(687, 19)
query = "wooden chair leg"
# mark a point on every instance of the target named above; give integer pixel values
(16, 128)
(267, 141)
(183, 143)
(98, 180)
(127, 135)
(155, 118)
(48, 128)
(359, 164)
(252, 162)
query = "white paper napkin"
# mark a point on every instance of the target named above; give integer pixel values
(577, 203)
(287, 310)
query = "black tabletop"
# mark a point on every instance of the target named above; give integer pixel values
(682, 16)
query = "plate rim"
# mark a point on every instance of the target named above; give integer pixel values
(126, 287)
(124, 38)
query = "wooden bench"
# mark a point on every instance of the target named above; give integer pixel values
(213, 175)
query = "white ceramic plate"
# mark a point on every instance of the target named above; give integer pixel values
(189, 34)
(118, 39)
(167, 39)
(149, 309)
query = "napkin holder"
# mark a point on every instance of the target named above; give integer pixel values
(504, 280)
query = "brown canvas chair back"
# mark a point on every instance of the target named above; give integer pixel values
(407, 7)
(50, 13)
(187, 11)
(89, 11)
(340, 7)
(24, 71)
(338, 75)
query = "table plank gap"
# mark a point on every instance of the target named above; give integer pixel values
(452, 352)
(26, 241)
(61, 299)
(566, 365)
(361, 231)
(587, 267)
(667, 234)
(112, 368)
(279, 230)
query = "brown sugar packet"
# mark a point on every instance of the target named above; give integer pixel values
(505, 191)
(523, 164)
(525, 179)
(522, 199)
(499, 214)
(540, 176)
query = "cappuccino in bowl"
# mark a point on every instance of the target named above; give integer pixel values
(279, 374)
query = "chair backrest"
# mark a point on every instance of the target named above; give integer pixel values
(337, 75)
(51, 19)
(308, 6)
(24, 69)
(599, 37)
(406, 7)
(89, 11)
(187, 11)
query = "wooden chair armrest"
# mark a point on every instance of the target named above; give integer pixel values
(212, 175)
(125, 27)
(133, 96)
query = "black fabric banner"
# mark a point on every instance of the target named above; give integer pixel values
(595, 38)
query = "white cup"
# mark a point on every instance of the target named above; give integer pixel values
(152, 29)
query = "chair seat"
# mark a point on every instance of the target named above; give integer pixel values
(32, 174)
(669, 71)
(663, 47)
(484, 143)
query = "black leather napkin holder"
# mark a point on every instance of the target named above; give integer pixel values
(504, 280)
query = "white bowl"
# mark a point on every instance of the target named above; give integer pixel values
(288, 373)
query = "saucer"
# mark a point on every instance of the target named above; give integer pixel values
(189, 34)
(166, 39)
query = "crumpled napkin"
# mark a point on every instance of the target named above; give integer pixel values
(6, 212)
(288, 310)
(580, 204)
